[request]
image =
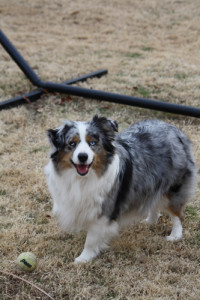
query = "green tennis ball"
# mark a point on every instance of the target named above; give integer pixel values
(27, 261)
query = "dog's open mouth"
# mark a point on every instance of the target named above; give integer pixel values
(82, 169)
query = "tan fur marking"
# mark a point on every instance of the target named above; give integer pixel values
(64, 160)
(89, 138)
(99, 162)
(75, 139)
(174, 211)
(99, 159)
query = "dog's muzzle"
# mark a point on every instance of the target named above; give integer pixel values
(82, 168)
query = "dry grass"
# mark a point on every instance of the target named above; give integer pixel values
(151, 49)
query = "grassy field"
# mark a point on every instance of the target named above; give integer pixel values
(151, 49)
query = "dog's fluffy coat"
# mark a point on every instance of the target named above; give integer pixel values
(101, 180)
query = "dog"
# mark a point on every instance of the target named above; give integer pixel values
(101, 180)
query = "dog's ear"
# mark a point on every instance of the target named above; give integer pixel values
(57, 136)
(105, 124)
(114, 125)
(53, 137)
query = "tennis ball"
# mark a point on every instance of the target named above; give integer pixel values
(27, 261)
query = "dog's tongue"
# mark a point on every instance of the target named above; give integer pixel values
(82, 169)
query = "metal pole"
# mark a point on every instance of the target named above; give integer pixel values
(35, 95)
(123, 99)
(95, 94)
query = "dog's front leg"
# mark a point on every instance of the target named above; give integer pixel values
(98, 237)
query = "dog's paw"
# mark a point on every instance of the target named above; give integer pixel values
(85, 257)
(80, 259)
(171, 238)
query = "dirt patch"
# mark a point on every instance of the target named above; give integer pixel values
(151, 49)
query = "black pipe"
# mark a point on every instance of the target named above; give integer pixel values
(35, 95)
(95, 94)
(123, 99)
(19, 60)
(22, 99)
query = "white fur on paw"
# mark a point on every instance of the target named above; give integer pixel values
(80, 259)
(171, 238)
(85, 257)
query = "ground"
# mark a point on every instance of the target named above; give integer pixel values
(151, 49)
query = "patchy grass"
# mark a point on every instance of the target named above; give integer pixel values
(147, 91)
(192, 212)
(181, 76)
(133, 55)
(147, 49)
(148, 53)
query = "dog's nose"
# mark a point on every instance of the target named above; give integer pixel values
(82, 157)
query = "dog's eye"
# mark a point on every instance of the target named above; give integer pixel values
(72, 144)
(92, 143)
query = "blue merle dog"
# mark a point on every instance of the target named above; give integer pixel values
(100, 180)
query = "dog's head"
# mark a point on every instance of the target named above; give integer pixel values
(83, 145)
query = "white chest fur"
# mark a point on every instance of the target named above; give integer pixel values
(78, 200)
